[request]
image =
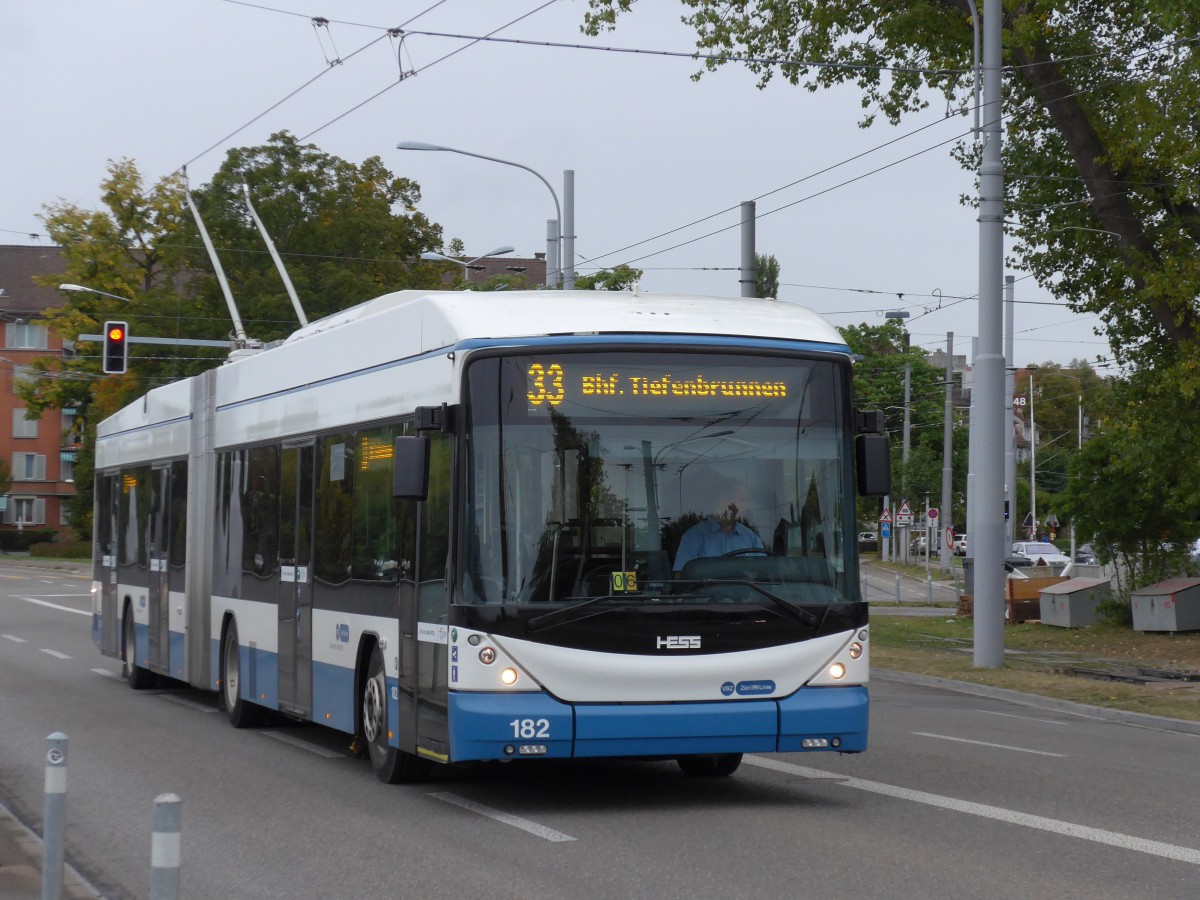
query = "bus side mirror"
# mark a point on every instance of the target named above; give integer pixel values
(410, 468)
(873, 463)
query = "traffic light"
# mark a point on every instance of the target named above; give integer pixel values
(116, 348)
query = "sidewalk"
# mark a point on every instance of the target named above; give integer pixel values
(21, 865)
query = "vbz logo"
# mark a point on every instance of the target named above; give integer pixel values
(678, 642)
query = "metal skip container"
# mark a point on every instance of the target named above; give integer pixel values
(1171, 605)
(1072, 604)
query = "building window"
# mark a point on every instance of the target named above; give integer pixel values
(69, 420)
(23, 427)
(25, 511)
(28, 467)
(66, 464)
(24, 336)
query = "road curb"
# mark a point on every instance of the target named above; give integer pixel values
(21, 865)
(1141, 720)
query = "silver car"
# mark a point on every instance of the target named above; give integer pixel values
(1040, 553)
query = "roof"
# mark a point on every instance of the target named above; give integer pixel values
(18, 267)
(1170, 586)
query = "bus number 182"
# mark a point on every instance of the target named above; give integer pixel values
(526, 729)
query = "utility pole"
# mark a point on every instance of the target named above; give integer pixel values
(747, 278)
(1032, 464)
(1010, 434)
(947, 452)
(988, 534)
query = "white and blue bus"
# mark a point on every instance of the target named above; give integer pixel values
(447, 523)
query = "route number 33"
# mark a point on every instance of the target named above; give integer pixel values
(546, 383)
(526, 729)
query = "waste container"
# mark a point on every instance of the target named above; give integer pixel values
(1072, 604)
(1171, 605)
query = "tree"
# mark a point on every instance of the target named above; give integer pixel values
(1101, 139)
(346, 232)
(621, 278)
(766, 276)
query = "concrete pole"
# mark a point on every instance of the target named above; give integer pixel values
(552, 253)
(988, 536)
(947, 453)
(972, 451)
(1010, 444)
(568, 235)
(1032, 464)
(747, 278)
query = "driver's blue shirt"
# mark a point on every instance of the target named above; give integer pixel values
(707, 538)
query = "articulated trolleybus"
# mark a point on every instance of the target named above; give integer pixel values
(449, 525)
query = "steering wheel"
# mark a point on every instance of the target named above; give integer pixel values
(748, 551)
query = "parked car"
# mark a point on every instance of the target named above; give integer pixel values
(918, 546)
(1086, 555)
(868, 540)
(960, 544)
(1040, 553)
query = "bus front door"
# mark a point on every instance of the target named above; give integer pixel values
(295, 580)
(106, 562)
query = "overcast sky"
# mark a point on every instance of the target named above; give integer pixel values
(661, 162)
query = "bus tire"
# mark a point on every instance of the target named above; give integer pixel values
(716, 766)
(139, 678)
(242, 713)
(391, 765)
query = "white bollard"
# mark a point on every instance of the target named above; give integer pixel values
(166, 847)
(55, 820)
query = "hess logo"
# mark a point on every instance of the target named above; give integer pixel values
(678, 642)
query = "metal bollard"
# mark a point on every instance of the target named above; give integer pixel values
(55, 818)
(166, 847)
(897, 587)
(929, 589)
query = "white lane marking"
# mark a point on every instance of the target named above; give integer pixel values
(946, 737)
(14, 638)
(54, 653)
(107, 674)
(303, 745)
(78, 612)
(73, 594)
(998, 813)
(992, 712)
(533, 828)
(190, 704)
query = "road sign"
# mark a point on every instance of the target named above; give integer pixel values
(949, 537)
(885, 516)
(931, 514)
(905, 515)
(1028, 523)
(885, 530)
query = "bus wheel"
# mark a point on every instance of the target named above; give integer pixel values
(139, 678)
(392, 766)
(242, 713)
(717, 766)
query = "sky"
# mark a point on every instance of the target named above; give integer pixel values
(862, 221)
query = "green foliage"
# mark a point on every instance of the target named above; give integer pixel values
(766, 276)
(61, 550)
(621, 278)
(20, 540)
(346, 232)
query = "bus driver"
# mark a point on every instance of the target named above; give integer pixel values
(719, 534)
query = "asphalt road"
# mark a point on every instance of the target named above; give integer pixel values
(958, 796)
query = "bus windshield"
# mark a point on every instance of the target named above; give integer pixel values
(650, 474)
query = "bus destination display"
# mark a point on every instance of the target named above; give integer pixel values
(550, 383)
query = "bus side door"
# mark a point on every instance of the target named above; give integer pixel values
(107, 487)
(295, 580)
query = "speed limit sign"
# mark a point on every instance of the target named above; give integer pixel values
(949, 536)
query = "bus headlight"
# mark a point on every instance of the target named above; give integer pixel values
(487, 655)
(837, 671)
(508, 677)
(855, 650)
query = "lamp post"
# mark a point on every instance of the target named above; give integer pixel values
(469, 264)
(566, 268)
(79, 288)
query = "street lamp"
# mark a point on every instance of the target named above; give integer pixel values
(469, 264)
(87, 290)
(566, 273)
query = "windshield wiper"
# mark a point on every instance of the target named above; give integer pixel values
(797, 612)
(546, 618)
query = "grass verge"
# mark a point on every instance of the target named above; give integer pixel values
(1045, 660)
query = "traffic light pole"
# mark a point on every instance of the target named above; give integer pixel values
(180, 342)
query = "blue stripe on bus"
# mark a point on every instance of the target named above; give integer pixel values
(333, 696)
(258, 673)
(656, 340)
(828, 712)
(495, 726)
(176, 654)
